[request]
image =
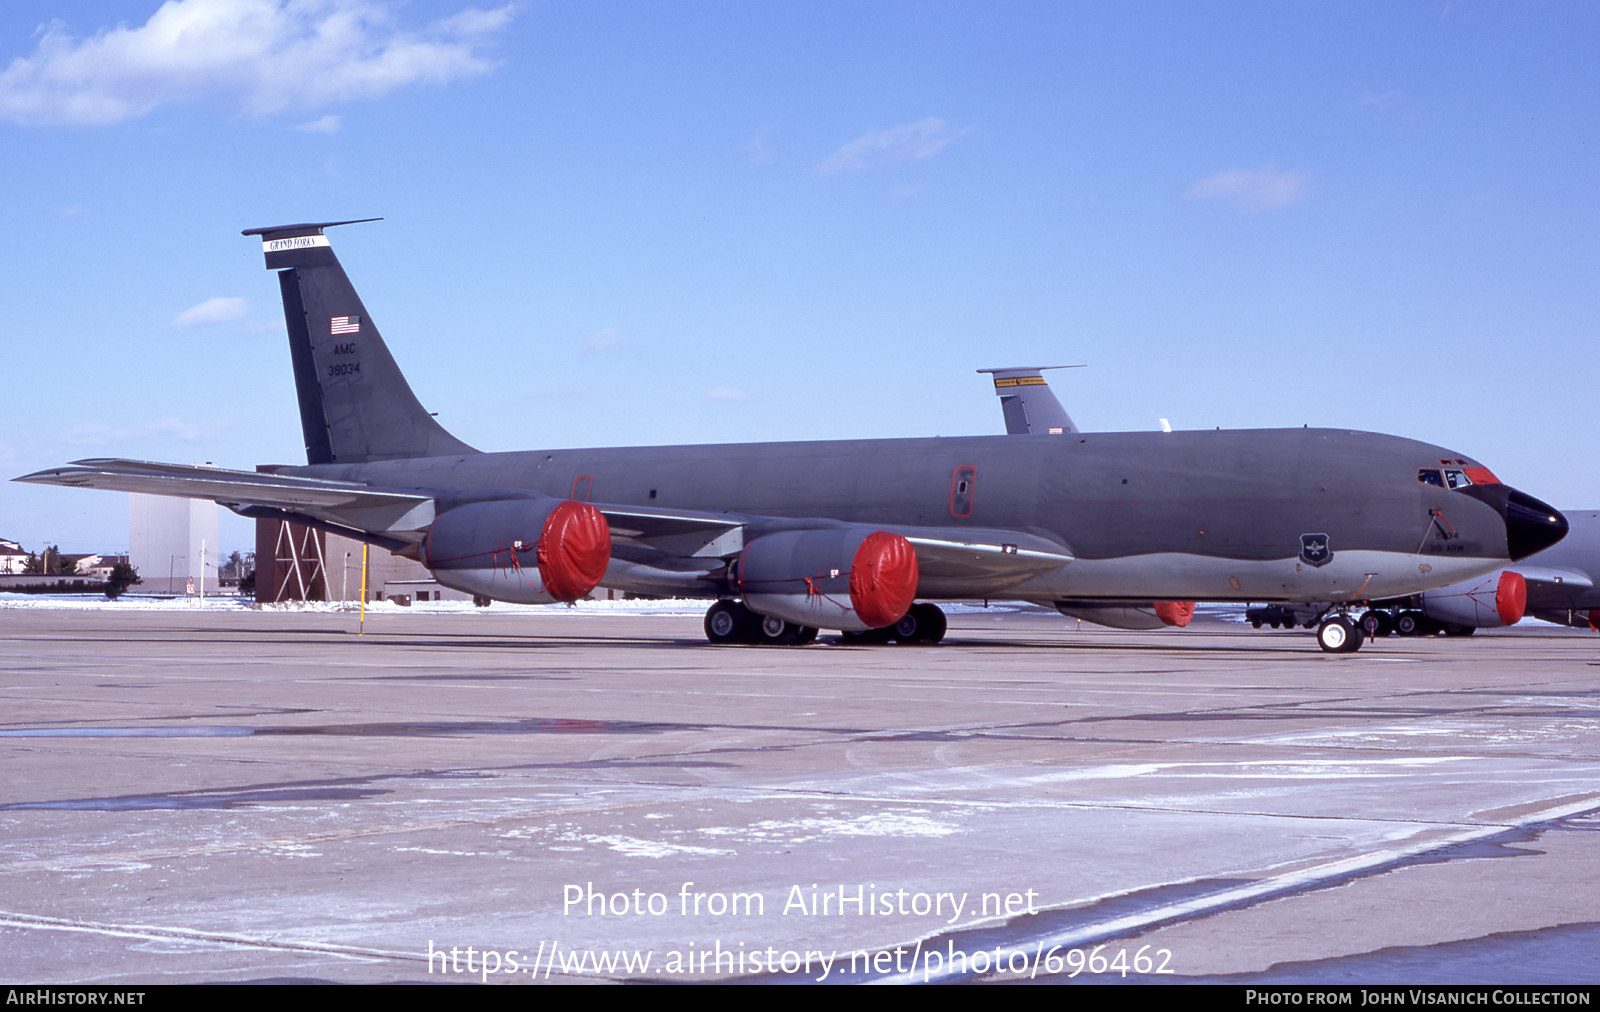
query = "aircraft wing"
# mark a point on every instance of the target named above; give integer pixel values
(949, 563)
(691, 544)
(953, 563)
(340, 502)
(684, 533)
(1552, 590)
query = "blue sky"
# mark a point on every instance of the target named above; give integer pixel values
(635, 223)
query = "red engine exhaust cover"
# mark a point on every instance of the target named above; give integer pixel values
(574, 549)
(1511, 597)
(1176, 613)
(883, 579)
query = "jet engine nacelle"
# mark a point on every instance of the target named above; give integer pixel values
(1149, 615)
(1488, 602)
(849, 578)
(531, 551)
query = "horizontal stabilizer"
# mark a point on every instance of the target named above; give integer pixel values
(271, 232)
(345, 503)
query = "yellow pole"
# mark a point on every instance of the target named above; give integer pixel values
(363, 629)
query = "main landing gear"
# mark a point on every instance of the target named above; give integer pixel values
(923, 625)
(731, 622)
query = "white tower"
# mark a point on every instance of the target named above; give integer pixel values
(165, 537)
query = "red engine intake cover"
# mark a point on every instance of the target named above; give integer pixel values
(1511, 597)
(1176, 613)
(574, 548)
(883, 579)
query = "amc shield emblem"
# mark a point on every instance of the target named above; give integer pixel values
(1314, 550)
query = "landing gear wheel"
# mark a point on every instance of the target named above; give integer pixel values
(1339, 635)
(776, 632)
(1409, 623)
(923, 624)
(1377, 623)
(731, 622)
(867, 638)
(934, 624)
(1460, 630)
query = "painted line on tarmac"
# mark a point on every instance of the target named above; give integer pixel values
(1286, 884)
(152, 932)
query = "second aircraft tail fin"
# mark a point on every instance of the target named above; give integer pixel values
(355, 405)
(1029, 405)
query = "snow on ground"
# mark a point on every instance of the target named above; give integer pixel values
(136, 602)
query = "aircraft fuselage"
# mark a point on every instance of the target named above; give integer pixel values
(1269, 514)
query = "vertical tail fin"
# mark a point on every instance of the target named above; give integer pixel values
(355, 405)
(1028, 403)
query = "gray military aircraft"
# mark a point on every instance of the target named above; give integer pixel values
(860, 535)
(1030, 408)
(1555, 585)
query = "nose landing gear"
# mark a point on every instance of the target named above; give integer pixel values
(1337, 634)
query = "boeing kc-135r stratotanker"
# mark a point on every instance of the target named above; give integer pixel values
(855, 535)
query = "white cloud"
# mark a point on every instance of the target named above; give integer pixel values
(907, 191)
(217, 310)
(266, 55)
(601, 340)
(1380, 99)
(168, 429)
(328, 124)
(757, 151)
(567, 390)
(1252, 190)
(876, 148)
(726, 394)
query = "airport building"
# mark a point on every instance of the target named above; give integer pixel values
(295, 563)
(173, 544)
(13, 560)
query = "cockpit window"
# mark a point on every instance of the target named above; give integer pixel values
(1456, 479)
(1428, 477)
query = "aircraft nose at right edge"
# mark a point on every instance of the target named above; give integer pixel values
(1531, 525)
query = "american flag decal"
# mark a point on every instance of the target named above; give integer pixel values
(346, 325)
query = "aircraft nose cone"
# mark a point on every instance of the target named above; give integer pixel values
(1531, 525)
